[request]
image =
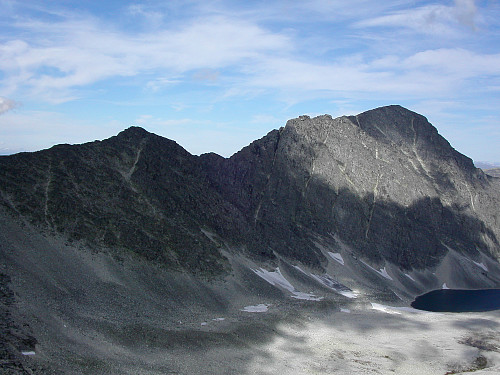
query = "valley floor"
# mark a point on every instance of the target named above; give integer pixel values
(383, 340)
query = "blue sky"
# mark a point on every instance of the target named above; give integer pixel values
(216, 75)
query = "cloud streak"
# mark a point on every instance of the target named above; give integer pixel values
(430, 19)
(85, 52)
(6, 105)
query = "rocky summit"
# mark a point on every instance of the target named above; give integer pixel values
(96, 235)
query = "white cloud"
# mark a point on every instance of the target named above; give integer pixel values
(342, 78)
(6, 105)
(456, 61)
(150, 17)
(440, 73)
(430, 19)
(63, 56)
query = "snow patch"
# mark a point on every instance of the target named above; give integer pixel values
(349, 293)
(306, 296)
(204, 323)
(383, 308)
(300, 269)
(345, 310)
(382, 272)
(411, 278)
(256, 309)
(337, 257)
(445, 286)
(277, 279)
(337, 287)
(481, 265)
(218, 319)
(28, 353)
(397, 295)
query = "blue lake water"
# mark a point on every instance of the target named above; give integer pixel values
(458, 300)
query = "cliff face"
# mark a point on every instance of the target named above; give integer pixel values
(384, 183)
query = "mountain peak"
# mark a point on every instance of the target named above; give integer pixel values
(393, 123)
(133, 132)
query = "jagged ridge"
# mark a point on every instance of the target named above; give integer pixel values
(383, 182)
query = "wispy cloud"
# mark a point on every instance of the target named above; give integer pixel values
(443, 71)
(78, 52)
(6, 104)
(430, 19)
(61, 57)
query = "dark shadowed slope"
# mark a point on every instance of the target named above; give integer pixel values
(384, 181)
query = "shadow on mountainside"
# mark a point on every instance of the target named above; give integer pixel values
(99, 314)
(147, 195)
(287, 205)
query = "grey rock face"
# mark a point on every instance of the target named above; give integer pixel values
(384, 182)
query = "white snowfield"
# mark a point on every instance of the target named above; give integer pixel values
(306, 296)
(382, 272)
(383, 308)
(411, 278)
(481, 265)
(256, 308)
(337, 257)
(277, 279)
(330, 283)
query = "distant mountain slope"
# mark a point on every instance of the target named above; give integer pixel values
(384, 182)
(495, 172)
(487, 165)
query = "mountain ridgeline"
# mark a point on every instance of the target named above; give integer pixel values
(383, 184)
